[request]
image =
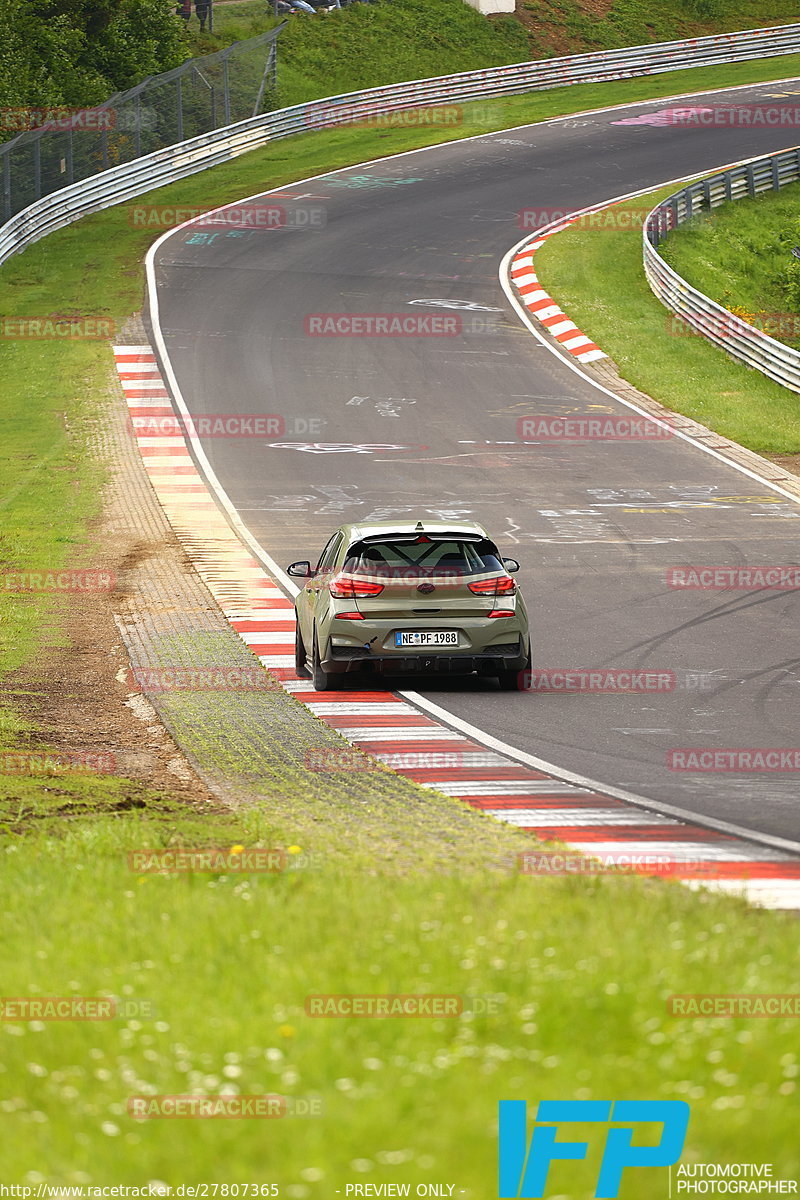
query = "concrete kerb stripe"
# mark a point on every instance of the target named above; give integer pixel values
(541, 305)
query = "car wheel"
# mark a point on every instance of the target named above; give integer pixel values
(516, 681)
(300, 659)
(323, 681)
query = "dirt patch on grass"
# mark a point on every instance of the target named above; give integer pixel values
(595, 8)
(76, 697)
(77, 700)
(546, 24)
(90, 741)
(789, 462)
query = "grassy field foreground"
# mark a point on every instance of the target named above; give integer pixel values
(564, 985)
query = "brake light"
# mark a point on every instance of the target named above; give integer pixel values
(503, 585)
(350, 616)
(501, 612)
(346, 587)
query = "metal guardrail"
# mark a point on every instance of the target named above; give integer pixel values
(176, 162)
(741, 340)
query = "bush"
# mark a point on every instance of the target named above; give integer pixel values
(705, 10)
(78, 52)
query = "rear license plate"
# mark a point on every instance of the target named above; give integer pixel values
(426, 638)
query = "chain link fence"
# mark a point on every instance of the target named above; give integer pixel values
(201, 95)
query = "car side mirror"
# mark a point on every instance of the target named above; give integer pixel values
(511, 565)
(300, 570)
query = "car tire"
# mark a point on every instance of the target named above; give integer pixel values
(323, 681)
(300, 657)
(516, 681)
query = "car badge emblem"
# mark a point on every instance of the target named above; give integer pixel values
(426, 588)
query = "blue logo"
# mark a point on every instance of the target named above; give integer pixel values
(524, 1169)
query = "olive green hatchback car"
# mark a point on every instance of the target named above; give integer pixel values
(429, 597)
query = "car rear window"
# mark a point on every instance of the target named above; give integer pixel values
(420, 556)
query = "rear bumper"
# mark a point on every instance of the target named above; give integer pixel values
(511, 656)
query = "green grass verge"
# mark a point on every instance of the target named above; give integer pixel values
(596, 275)
(741, 256)
(574, 980)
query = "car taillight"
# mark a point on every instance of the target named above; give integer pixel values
(349, 616)
(503, 585)
(501, 612)
(346, 587)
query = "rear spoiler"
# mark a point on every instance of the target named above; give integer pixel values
(437, 536)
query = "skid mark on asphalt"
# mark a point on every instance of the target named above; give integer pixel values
(400, 735)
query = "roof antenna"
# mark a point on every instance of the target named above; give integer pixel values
(418, 525)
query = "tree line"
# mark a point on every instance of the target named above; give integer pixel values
(78, 52)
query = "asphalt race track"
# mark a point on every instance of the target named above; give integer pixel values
(375, 427)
